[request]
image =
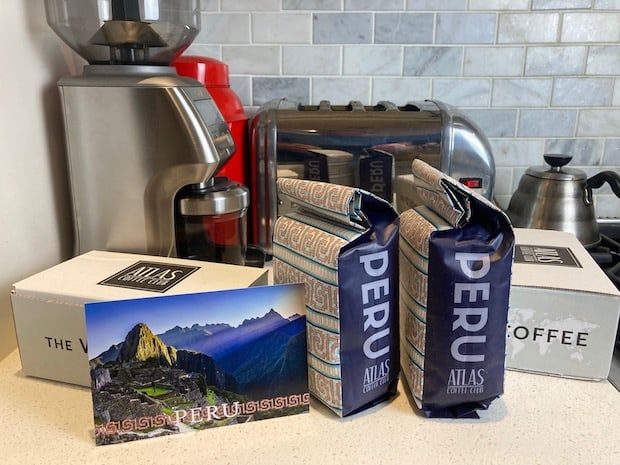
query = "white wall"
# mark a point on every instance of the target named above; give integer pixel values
(35, 229)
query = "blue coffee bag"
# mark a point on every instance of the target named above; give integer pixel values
(455, 260)
(342, 244)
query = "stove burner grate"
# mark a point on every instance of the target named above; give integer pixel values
(607, 255)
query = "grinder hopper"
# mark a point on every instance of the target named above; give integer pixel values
(125, 31)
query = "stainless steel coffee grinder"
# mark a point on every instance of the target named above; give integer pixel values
(136, 132)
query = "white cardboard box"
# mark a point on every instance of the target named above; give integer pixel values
(48, 307)
(563, 308)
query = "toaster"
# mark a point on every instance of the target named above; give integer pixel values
(371, 147)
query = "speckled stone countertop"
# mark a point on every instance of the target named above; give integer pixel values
(539, 420)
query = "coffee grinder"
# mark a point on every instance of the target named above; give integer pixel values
(136, 132)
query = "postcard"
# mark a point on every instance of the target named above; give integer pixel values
(171, 364)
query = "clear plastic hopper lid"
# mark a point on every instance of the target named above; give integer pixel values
(147, 32)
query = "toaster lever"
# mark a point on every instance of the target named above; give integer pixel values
(324, 105)
(385, 105)
(355, 105)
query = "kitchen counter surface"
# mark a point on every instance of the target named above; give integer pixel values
(539, 420)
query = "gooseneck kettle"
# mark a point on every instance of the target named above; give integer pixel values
(560, 198)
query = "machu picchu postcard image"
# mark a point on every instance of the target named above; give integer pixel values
(171, 364)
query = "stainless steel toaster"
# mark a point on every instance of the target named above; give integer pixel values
(371, 147)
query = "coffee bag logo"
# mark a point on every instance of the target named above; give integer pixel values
(546, 255)
(150, 276)
(376, 302)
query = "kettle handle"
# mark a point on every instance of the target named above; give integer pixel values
(611, 177)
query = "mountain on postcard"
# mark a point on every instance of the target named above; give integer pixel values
(252, 359)
(260, 353)
(223, 338)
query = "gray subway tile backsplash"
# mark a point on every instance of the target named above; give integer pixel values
(256, 59)
(377, 60)
(404, 28)
(434, 5)
(341, 90)
(556, 61)
(343, 28)
(585, 152)
(462, 92)
(303, 60)
(607, 4)
(518, 152)
(599, 123)
(603, 60)
(209, 5)
(528, 92)
(528, 28)
(281, 28)
(591, 27)
(224, 28)
(250, 5)
(401, 90)
(494, 5)
(373, 5)
(432, 61)
(465, 28)
(535, 75)
(493, 61)
(611, 152)
(547, 123)
(311, 5)
(583, 92)
(270, 88)
(561, 4)
(495, 123)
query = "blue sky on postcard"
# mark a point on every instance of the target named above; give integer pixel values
(108, 323)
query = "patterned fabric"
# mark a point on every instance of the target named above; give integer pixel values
(306, 249)
(446, 205)
(338, 203)
(415, 229)
(441, 194)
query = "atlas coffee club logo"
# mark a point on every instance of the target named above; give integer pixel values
(150, 276)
